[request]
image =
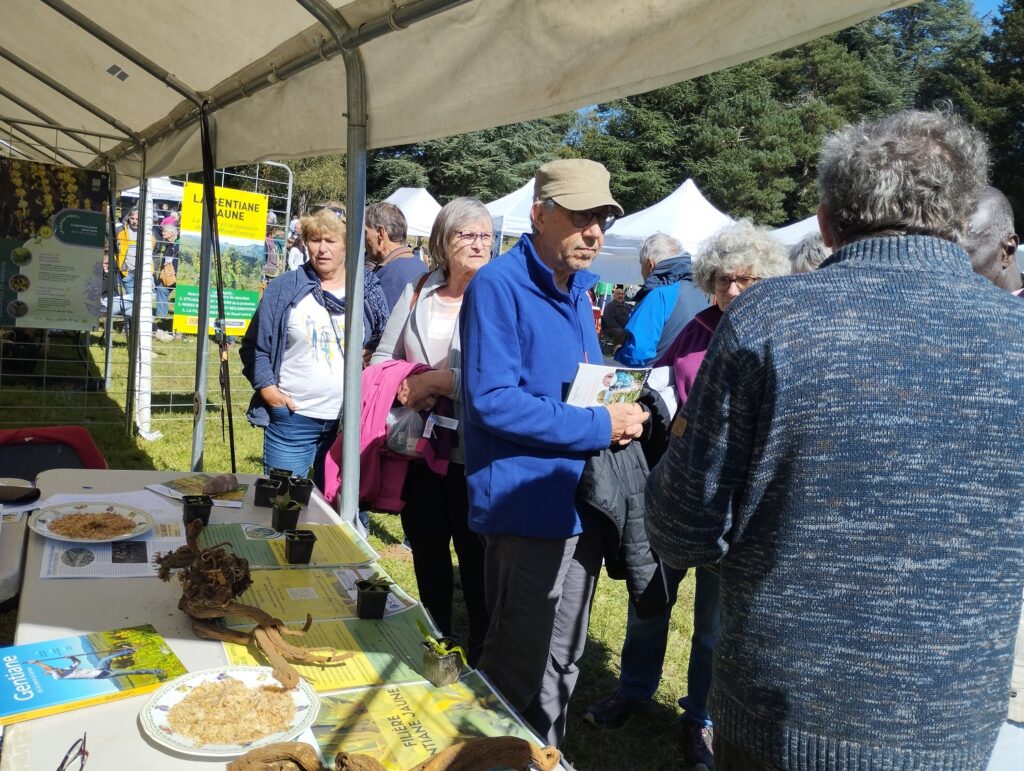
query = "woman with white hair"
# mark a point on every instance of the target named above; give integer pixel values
(729, 262)
(424, 329)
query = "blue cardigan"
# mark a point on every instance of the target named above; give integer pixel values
(522, 339)
(262, 349)
(850, 451)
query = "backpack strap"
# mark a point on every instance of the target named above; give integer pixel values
(419, 288)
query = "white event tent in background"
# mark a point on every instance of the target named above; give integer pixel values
(418, 206)
(511, 213)
(160, 189)
(686, 215)
(795, 232)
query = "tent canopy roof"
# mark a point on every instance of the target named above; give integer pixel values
(276, 80)
(418, 206)
(514, 210)
(685, 214)
(795, 232)
(160, 189)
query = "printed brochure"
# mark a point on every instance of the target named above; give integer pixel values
(384, 651)
(59, 675)
(596, 385)
(193, 484)
(263, 547)
(403, 725)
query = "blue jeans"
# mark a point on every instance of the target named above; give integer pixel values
(643, 652)
(163, 296)
(296, 442)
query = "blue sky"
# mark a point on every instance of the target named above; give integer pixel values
(981, 7)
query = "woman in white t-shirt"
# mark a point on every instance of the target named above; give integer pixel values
(293, 352)
(424, 328)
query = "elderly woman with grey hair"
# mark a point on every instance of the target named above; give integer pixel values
(424, 329)
(808, 253)
(729, 262)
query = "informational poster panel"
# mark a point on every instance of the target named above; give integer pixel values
(52, 230)
(242, 226)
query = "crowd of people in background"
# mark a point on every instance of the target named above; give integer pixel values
(829, 437)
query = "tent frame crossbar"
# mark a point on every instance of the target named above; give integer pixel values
(349, 40)
(36, 142)
(141, 61)
(50, 123)
(70, 95)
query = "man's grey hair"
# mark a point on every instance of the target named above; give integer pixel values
(741, 246)
(659, 247)
(388, 216)
(995, 207)
(547, 206)
(911, 172)
(809, 253)
(454, 216)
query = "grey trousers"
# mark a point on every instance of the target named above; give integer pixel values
(539, 593)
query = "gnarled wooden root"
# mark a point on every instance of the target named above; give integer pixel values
(485, 753)
(282, 756)
(345, 762)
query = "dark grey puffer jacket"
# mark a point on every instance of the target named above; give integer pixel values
(611, 491)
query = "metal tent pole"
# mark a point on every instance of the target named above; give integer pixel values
(133, 336)
(202, 346)
(108, 320)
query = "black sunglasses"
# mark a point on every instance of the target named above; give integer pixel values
(321, 206)
(76, 756)
(582, 219)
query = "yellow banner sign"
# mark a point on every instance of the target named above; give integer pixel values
(240, 214)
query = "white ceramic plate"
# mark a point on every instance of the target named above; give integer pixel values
(153, 716)
(43, 518)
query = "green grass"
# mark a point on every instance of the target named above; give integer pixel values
(650, 739)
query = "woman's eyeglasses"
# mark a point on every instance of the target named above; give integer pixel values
(582, 219)
(76, 756)
(724, 282)
(468, 237)
(321, 206)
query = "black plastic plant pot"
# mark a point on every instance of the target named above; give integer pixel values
(280, 474)
(285, 518)
(196, 507)
(370, 602)
(300, 489)
(298, 546)
(442, 670)
(266, 491)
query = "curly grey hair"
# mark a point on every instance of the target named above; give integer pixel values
(454, 215)
(911, 172)
(740, 246)
(659, 247)
(809, 253)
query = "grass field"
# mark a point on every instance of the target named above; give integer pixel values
(648, 740)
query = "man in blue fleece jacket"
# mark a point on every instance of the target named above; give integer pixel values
(850, 454)
(526, 324)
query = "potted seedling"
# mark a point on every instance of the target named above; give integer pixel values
(196, 507)
(286, 513)
(280, 474)
(443, 658)
(372, 597)
(300, 489)
(298, 546)
(266, 490)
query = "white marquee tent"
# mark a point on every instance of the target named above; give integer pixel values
(686, 215)
(418, 206)
(511, 213)
(160, 189)
(95, 83)
(795, 232)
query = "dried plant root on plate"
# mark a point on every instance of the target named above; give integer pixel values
(229, 712)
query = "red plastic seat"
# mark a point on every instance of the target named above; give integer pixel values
(26, 452)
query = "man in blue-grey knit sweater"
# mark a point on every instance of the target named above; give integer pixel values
(850, 455)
